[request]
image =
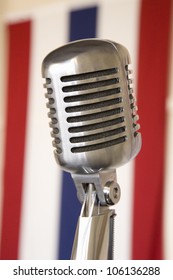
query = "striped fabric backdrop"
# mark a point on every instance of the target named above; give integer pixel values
(39, 207)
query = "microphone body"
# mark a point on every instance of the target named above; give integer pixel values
(94, 128)
(92, 109)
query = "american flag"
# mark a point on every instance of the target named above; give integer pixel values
(38, 204)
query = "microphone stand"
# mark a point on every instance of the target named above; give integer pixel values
(94, 237)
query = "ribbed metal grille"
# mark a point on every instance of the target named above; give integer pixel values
(100, 108)
(133, 106)
(88, 75)
(52, 115)
(94, 147)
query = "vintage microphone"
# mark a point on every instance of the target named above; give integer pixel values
(95, 130)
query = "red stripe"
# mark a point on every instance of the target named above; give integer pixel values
(17, 91)
(152, 91)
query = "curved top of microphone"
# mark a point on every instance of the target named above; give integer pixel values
(92, 107)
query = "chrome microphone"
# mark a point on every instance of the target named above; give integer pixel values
(94, 121)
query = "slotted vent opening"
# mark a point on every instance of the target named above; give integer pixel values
(94, 126)
(94, 116)
(91, 85)
(93, 106)
(97, 136)
(93, 95)
(106, 96)
(89, 75)
(98, 146)
(105, 100)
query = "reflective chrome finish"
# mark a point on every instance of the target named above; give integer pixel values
(94, 233)
(92, 107)
(105, 185)
(95, 127)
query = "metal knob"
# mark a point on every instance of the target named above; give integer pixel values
(112, 192)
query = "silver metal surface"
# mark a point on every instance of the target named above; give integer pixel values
(95, 230)
(92, 108)
(94, 233)
(94, 126)
(104, 182)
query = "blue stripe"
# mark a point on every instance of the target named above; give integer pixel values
(82, 25)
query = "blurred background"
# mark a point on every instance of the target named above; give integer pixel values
(38, 204)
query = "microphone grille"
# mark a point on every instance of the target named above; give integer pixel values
(107, 101)
(112, 97)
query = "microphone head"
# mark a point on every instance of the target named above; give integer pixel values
(92, 107)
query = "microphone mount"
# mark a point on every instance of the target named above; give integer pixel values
(105, 185)
(94, 238)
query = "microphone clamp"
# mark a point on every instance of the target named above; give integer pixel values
(94, 238)
(104, 183)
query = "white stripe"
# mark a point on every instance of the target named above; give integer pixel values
(39, 232)
(168, 196)
(119, 22)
